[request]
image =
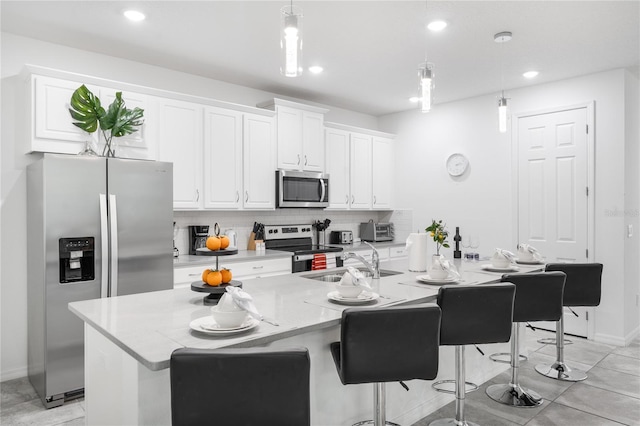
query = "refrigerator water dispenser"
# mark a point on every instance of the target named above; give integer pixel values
(77, 262)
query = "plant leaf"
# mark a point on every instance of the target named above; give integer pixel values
(85, 109)
(121, 120)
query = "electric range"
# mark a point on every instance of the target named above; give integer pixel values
(298, 240)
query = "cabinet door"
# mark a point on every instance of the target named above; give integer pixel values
(259, 161)
(137, 144)
(222, 158)
(337, 166)
(51, 128)
(289, 138)
(360, 171)
(382, 161)
(312, 141)
(180, 141)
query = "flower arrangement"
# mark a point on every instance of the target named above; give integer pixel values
(439, 233)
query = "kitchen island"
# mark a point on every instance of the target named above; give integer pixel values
(129, 341)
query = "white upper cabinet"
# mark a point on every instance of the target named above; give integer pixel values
(361, 184)
(300, 135)
(179, 139)
(360, 166)
(50, 125)
(222, 158)
(259, 162)
(382, 172)
(337, 166)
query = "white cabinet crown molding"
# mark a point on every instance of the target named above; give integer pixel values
(30, 69)
(272, 103)
(355, 129)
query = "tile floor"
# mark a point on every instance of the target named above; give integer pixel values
(610, 396)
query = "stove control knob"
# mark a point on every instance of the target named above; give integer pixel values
(275, 231)
(271, 231)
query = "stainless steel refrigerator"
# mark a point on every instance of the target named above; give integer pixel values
(96, 227)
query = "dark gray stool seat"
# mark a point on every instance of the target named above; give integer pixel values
(473, 315)
(538, 298)
(379, 345)
(582, 288)
(272, 386)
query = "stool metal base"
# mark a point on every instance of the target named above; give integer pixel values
(451, 422)
(552, 341)
(561, 371)
(469, 387)
(371, 422)
(514, 396)
(505, 357)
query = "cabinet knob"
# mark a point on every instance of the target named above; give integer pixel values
(353, 199)
(375, 201)
(197, 195)
(346, 199)
(298, 159)
(246, 196)
(305, 160)
(237, 196)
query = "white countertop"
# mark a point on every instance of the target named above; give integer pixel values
(149, 326)
(242, 256)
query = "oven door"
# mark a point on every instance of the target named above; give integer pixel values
(305, 262)
(302, 189)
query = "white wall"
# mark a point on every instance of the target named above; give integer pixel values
(481, 201)
(17, 51)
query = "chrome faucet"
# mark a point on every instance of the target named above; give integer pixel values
(373, 267)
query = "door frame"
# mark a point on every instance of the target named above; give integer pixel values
(590, 111)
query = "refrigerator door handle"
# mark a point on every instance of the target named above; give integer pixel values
(104, 253)
(113, 229)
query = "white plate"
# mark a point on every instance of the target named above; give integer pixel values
(427, 279)
(490, 267)
(530, 262)
(364, 297)
(208, 326)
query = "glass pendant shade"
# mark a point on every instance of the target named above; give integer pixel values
(291, 41)
(502, 114)
(426, 86)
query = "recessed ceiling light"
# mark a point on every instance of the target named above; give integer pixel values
(437, 25)
(316, 69)
(134, 15)
(530, 74)
(414, 99)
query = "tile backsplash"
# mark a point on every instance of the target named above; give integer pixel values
(242, 222)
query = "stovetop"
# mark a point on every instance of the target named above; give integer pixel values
(310, 249)
(294, 238)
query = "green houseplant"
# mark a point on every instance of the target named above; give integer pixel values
(116, 121)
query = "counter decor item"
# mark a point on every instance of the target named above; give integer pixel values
(439, 233)
(116, 121)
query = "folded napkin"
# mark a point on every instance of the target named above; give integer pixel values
(507, 254)
(244, 301)
(355, 277)
(319, 262)
(535, 253)
(448, 266)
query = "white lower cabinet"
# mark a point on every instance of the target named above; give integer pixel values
(396, 252)
(184, 276)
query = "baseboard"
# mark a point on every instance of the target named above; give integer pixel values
(16, 373)
(632, 336)
(616, 340)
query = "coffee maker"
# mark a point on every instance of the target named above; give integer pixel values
(197, 237)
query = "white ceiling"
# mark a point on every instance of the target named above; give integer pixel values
(370, 49)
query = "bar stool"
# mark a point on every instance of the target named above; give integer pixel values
(379, 345)
(582, 288)
(538, 298)
(473, 315)
(247, 386)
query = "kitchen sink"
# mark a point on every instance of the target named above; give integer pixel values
(336, 276)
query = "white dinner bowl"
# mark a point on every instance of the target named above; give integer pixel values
(500, 262)
(349, 291)
(228, 319)
(438, 273)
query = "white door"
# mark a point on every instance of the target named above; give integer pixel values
(222, 158)
(312, 141)
(553, 192)
(289, 138)
(382, 173)
(360, 160)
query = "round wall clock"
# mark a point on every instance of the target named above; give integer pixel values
(457, 164)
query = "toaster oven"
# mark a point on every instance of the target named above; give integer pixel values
(375, 232)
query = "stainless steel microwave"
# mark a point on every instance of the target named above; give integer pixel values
(302, 189)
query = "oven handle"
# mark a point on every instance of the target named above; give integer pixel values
(303, 257)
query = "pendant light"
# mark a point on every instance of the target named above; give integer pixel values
(502, 38)
(426, 75)
(291, 41)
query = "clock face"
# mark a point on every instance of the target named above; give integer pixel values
(457, 164)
